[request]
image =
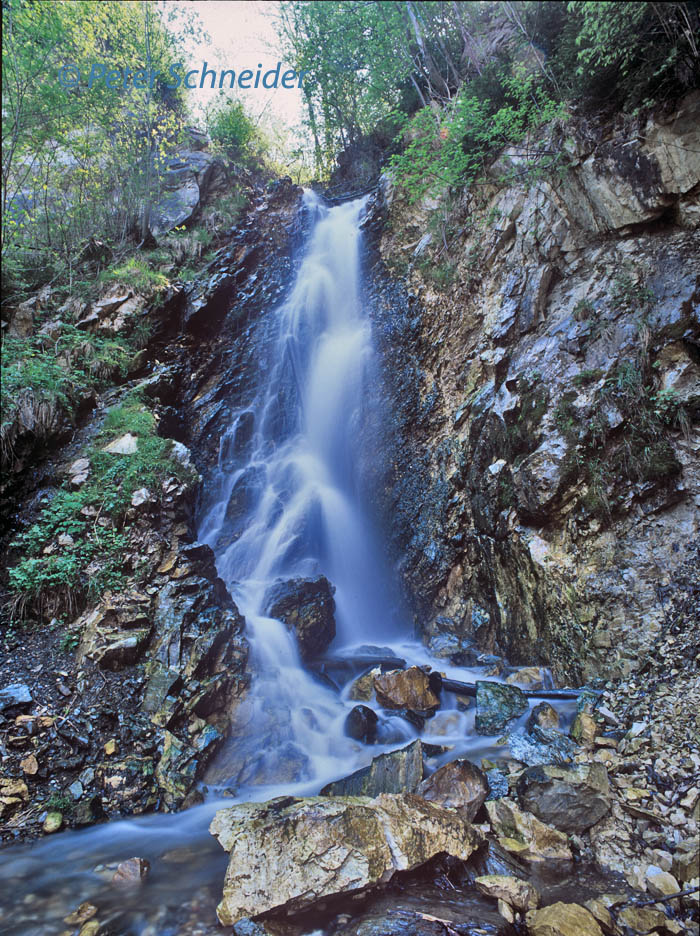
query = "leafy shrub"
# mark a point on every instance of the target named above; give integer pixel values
(230, 127)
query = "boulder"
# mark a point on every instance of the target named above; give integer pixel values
(458, 785)
(523, 835)
(290, 853)
(496, 705)
(518, 893)
(406, 690)
(572, 798)
(562, 919)
(306, 606)
(362, 689)
(543, 716)
(531, 677)
(396, 772)
(361, 724)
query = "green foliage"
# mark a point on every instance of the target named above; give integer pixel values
(230, 127)
(77, 547)
(137, 273)
(456, 146)
(80, 162)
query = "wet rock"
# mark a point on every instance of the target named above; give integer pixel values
(396, 772)
(86, 911)
(571, 798)
(458, 785)
(544, 716)
(541, 746)
(524, 835)
(518, 893)
(16, 695)
(53, 822)
(531, 677)
(362, 689)
(306, 606)
(291, 853)
(406, 690)
(562, 919)
(361, 724)
(496, 705)
(132, 871)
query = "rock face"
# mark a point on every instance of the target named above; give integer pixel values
(496, 705)
(307, 607)
(407, 690)
(292, 852)
(458, 785)
(511, 504)
(571, 798)
(396, 772)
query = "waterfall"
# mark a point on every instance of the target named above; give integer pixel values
(289, 505)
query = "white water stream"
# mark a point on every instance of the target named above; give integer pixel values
(287, 502)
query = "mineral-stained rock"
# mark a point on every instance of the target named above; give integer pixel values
(496, 705)
(562, 919)
(361, 724)
(458, 785)
(292, 852)
(518, 893)
(571, 798)
(115, 633)
(543, 716)
(396, 772)
(406, 690)
(362, 689)
(307, 607)
(524, 835)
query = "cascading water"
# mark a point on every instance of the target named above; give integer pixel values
(287, 502)
(292, 461)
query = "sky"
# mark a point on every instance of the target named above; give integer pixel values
(243, 35)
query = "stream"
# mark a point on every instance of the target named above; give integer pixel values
(296, 457)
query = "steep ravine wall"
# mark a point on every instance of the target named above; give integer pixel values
(543, 376)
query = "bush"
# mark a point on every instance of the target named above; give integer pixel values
(230, 127)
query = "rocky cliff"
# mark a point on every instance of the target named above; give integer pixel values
(543, 371)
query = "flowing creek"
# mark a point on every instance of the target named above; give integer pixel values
(296, 458)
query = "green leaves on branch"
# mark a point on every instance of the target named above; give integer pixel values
(454, 145)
